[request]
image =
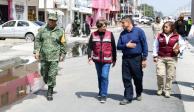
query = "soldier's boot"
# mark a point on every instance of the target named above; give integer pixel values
(45, 79)
(50, 94)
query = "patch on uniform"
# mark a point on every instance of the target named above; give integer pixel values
(63, 38)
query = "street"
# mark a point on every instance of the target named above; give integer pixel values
(77, 89)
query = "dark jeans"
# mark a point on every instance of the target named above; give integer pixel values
(103, 73)
(132, 69)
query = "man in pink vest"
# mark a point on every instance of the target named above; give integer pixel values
(102, 51)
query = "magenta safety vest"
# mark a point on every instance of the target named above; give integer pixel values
(102, 49)
(166, 50)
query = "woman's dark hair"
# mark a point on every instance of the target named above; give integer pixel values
(101, 22)
(172, 26)
(129, 18)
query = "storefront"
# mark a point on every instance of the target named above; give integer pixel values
(100, 9)
(114, 10)
(32, 10)
(19, 10)
(4, 11)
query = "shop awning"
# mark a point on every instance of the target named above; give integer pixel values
(59, 12)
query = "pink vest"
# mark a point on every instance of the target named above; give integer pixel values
(102, 49)
(166, 50)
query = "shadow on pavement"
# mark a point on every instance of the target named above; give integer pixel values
(153, 93)
(43, 92)
(187, 84)
(184, 97)
(94, 95)
(149, 91)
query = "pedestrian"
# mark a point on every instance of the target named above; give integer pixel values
(157, 26)
(181, 27)
(191, 33)
(86, 28)
(102, 51)
(191, 36)
(189, 22)
(166, 47)
(49, 49)
(132, 42)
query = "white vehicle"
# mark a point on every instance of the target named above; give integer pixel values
(19, 29)
(144, 20)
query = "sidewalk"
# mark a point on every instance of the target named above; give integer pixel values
(185, 78)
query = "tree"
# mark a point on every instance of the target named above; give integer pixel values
(147, 10)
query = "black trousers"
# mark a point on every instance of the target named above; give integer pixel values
(132, 69)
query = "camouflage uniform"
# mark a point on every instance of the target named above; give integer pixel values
(51, 45)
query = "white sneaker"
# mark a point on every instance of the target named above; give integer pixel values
(159, 92)
(167, 94)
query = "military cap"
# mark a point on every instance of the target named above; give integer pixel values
(53, 16)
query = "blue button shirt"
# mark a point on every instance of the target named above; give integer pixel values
(136, 35)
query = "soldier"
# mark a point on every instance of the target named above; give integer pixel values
(49, 49)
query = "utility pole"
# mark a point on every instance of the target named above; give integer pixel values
(134, 6)
(45, 14)
(144, 9)
(192, 10)
(71, 10)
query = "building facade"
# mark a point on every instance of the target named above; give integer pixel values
(4, 14)
(18, 10)
(128, 7)
(106, 9)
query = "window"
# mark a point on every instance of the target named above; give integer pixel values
(9, 24)
(22, 23)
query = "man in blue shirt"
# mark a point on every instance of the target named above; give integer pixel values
(132, 42)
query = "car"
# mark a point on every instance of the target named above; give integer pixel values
(19, 29)
(40, 23)
(144, 20)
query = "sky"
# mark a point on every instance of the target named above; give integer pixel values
(167, 7)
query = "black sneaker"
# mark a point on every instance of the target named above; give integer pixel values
(125, 102)
(103, 99)
(99, 97)
(139, 98)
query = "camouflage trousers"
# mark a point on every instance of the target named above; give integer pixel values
(49, 71)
